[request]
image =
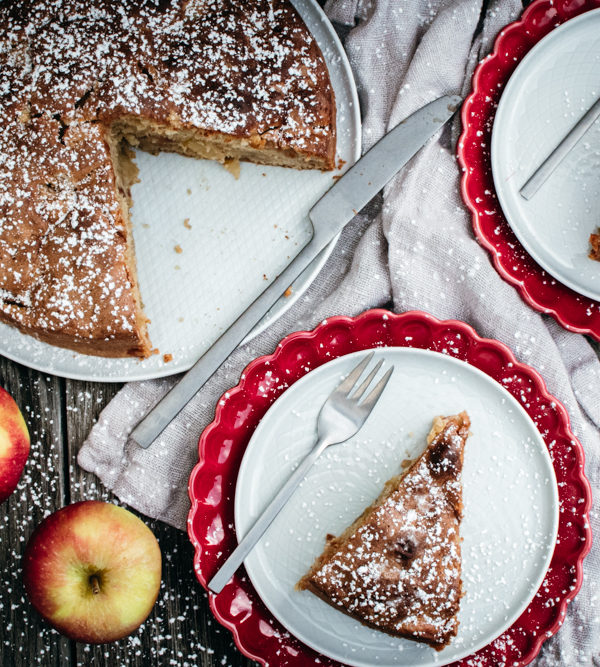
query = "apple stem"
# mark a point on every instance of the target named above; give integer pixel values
(95, 582)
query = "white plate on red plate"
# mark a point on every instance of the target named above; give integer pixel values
(553, 86)
(207, 244)
(510, 496)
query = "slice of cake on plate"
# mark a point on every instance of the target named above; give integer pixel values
(397, 568)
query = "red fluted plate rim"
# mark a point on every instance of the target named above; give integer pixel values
(222, 444)
(538, 288)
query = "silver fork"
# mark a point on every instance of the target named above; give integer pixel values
(340, 417)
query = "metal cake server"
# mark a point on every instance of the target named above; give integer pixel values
(329, 216)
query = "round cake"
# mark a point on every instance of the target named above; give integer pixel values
(83, 81)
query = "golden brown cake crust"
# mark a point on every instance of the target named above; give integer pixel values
(207, 78)
(397, 568)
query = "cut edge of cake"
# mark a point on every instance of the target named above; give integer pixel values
(436, 448)
(135, 132)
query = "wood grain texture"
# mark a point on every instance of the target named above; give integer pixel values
(24, 637)
(180, 630)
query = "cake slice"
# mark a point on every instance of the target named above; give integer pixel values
(397, 568)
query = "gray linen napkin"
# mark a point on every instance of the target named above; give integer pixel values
(416, 250)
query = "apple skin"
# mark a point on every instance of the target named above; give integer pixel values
(93, 570)
(14, 444)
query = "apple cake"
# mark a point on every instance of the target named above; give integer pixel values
(594, 252)
(81, 81)
(397, 568)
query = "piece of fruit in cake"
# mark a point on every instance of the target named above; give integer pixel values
(397, 568)
(14, 444)
(93, 571)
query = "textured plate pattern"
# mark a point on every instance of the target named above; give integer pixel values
(222, 445)
(207, 244)
(538, 288)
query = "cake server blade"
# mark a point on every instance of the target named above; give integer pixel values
(329, 216)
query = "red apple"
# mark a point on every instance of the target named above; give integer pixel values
(92, 570)
(14, 444)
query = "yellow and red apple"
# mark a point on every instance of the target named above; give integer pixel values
(14, 444)
(92, 570)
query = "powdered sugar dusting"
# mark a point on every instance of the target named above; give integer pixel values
(400, 571)
(510, 500)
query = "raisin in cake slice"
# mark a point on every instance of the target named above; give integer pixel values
(397, 568)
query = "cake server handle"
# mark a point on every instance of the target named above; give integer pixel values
(329, 216)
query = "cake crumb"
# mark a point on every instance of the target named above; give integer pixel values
(186, 223)
(177, 267)
(154, 351)
(233, 167)
(167, 358)
(178, 249)
(189, 191)
(288, 292)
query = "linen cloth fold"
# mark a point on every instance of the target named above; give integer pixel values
(414, 248)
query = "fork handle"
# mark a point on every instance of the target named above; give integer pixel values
(227, 570)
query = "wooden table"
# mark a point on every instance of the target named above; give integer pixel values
(180, 630)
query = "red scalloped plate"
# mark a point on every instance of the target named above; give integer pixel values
(222, 444)
(574, 311)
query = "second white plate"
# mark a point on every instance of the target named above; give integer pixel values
(557, 81)
(510, 497)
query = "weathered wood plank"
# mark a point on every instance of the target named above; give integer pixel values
(181, 629)
(25, 639)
